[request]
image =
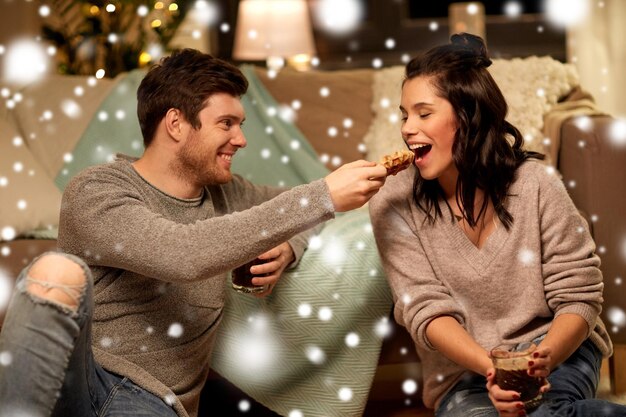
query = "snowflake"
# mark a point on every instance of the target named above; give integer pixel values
(175, 330)
(6, 358)
(304, 310)
(352, 340)
(8, 233)
(315, 243)
(526, 256)
(616, 316)
(106, 342)
(325, 313)
(345, 394)
(71, 109)
(315, 354)
(617, 132)
(244, 406)
(6, 286)
(170, 399)
(409, 386)
(287, 114)
(338, 16)
(382, 328)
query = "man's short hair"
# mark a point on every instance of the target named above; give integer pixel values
(184, 80)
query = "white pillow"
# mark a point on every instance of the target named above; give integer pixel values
(531, 87)
(29, 200)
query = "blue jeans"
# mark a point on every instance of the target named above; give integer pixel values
(574, 384)
(47, 367)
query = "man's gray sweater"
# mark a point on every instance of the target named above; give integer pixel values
(160, 265)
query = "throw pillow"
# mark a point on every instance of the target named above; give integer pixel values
(30, 200)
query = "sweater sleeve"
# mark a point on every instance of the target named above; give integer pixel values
(571, 275)
(418, 295)
(258, 194)
(107, 218)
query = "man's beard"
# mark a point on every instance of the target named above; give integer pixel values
(190, 166)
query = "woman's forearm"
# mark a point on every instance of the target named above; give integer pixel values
(451, 339)
(566, 334)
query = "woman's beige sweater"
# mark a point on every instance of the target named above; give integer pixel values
(510, 290)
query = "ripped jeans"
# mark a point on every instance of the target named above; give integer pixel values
(46, 363)
(574, 384)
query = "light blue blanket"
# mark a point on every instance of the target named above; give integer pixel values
(313, 345)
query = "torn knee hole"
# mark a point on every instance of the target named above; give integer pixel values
(58, 279)
(67, 295)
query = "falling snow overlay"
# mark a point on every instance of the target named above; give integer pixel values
(39, 151)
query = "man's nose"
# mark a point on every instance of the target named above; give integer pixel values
(239, 140)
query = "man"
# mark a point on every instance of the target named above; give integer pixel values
(159, 235)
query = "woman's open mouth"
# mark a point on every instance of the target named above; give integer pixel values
(420, 150)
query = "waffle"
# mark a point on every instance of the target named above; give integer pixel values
(397, 161)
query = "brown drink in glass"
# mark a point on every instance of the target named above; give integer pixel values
(512, 374)
(242, 278)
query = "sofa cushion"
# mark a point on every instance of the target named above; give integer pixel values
(54, 114)
(334, 123)
(30, 200)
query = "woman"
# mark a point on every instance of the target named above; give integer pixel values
(482, 247)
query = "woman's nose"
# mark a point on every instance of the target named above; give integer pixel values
(409, 128)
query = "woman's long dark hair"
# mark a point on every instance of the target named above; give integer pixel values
(482, 151)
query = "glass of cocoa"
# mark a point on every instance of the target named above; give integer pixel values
(512, 373)
(242, 278)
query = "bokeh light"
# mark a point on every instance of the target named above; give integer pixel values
(175, 330)
(205, 12)
(566, 13)
(409, 386)
(26, 61)
(616, 316)
(617, 132)
(6, 285)
(513, 9)
(345, 394)
(315, 354)
(338, 16)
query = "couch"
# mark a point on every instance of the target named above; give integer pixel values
(344, 115)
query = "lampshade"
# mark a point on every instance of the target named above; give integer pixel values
(273, 29)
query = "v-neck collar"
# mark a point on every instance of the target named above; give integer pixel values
(479, 258)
